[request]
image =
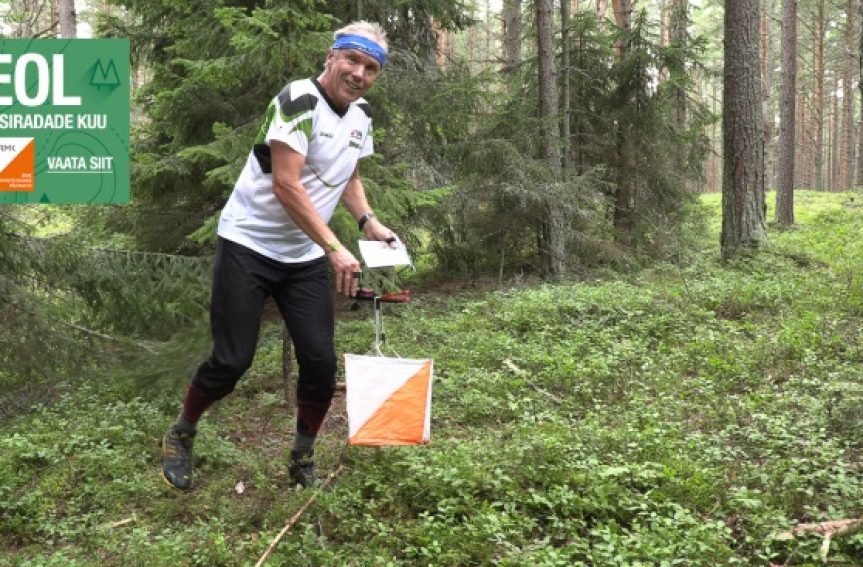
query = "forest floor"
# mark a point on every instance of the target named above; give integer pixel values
(679, 415)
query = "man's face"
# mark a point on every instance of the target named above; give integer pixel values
(349, 74)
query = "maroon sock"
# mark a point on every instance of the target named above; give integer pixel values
(195, 404)
(310, 416)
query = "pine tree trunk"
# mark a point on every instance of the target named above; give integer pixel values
(548, 101)
(767, 66)
(471, 35)
(624, 203)
(859, 183)
(487, 55)
(577, 139)
(574, 142)
(623, 19)
(818, 111)
(664, 32)
(678, 22)
(666, 9)
(512, 44)
(715, 183)
(678, 18)
(743, 206)
(55, 14)
(801, 154)
(787, 132)
(564, 91)
(848, 148)
(444, 46)
(834, 139)
(601, 8)
(24, 27)
(68, 20)
(554, 245)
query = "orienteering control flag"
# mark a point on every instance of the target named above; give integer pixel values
(388, 400)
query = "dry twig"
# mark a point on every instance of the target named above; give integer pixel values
(828, 529)
(296, 517)
(119, 523)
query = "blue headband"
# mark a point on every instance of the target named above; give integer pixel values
(361, 43)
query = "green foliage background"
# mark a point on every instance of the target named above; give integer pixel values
(448, 135)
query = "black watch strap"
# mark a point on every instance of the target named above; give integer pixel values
(364, 219)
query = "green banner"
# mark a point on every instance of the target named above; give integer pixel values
(64, 121)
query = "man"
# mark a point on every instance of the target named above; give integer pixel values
(274, 241)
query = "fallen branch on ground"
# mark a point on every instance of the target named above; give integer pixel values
(828, 529)
(296, 517)
(123, 522)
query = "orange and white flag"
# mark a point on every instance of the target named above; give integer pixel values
(388, 399)
(17, 164)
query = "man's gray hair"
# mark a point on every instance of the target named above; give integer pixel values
(362, 27)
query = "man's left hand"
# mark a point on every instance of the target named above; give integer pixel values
(375, 230)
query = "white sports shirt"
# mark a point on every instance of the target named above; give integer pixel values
(302, 117)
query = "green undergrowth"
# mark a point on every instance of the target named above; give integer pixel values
(677, 416)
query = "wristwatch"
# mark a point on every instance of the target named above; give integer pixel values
(364, 219)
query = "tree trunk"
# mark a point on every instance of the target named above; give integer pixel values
(554, 245)
(578, 126)
(818, 110)
(859, 184)
(512, 44)
(624, 203)
(487, 56)
(834, 139)
(767, 71)
(444, 46)
(715, 183)
(601, 8)
(787, 110)
(847, 165)
(623, 19)
(678, 22)
(801, 153)
(665, 8)
(24, 27)
(68, 20)
(548, 101)
(55, 13)
(564, 91)
(471, 40)
(743, 206)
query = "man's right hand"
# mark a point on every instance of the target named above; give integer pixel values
(346, 268)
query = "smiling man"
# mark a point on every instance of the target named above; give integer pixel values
(274, 241)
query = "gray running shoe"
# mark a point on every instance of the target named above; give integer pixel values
(177, 458)
(302, 469)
